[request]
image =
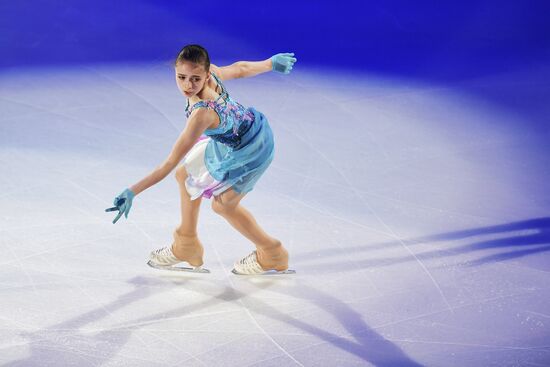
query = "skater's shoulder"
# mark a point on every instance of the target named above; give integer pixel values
(203, 110)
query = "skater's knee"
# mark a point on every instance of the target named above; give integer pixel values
(181, 174)
(223, 208)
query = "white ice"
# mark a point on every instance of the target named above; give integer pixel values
(416, 215)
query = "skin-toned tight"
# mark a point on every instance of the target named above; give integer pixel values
(187, 247)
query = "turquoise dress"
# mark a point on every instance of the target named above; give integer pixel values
(233, 155)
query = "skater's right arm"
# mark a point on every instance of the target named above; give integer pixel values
(197, 123)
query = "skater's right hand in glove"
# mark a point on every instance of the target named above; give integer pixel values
(283, 63)
(122, 203)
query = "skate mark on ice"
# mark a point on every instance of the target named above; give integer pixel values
(251, 316)
(373, 347)
(83, 122)
(139, 96)
(384, 197)
(337, 170)
(22, 267)
(74, 331)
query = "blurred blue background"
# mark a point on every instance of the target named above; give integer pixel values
(428, 39)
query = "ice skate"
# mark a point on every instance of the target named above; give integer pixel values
(249, 265)
(164, 259)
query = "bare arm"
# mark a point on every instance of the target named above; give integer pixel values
(242, 69)
(197, 123)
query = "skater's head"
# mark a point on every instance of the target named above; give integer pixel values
(194, 54)
(192, 69)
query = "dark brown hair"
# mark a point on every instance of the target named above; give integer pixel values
(195, 54)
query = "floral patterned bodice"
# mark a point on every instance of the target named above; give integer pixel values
(235, 119)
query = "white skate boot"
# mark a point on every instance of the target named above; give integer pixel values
(249, 265)
(164, 258)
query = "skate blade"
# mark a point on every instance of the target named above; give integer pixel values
(268, 272)
(179, 268)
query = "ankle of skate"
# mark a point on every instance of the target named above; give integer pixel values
(188, 248)
(273, 258)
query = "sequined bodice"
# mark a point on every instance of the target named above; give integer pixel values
(235, 119)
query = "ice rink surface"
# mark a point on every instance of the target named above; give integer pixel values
(416, 216)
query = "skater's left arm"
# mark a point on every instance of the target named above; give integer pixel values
(196, 125)
(241, 69)
(282, 63)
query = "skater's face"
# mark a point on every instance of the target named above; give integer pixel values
(190, 78)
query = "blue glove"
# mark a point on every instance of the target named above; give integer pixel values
(283, 63)
(122, 203)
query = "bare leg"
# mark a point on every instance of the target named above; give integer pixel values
(270, 251)
(186, 245)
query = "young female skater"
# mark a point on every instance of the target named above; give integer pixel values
(225, 149)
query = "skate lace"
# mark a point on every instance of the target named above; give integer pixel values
(249, 264)
(249, 259)
(164, 252)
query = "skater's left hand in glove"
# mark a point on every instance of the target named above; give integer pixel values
(283, 62)
(122, 203)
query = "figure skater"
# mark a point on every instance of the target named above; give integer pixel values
(224, 149)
